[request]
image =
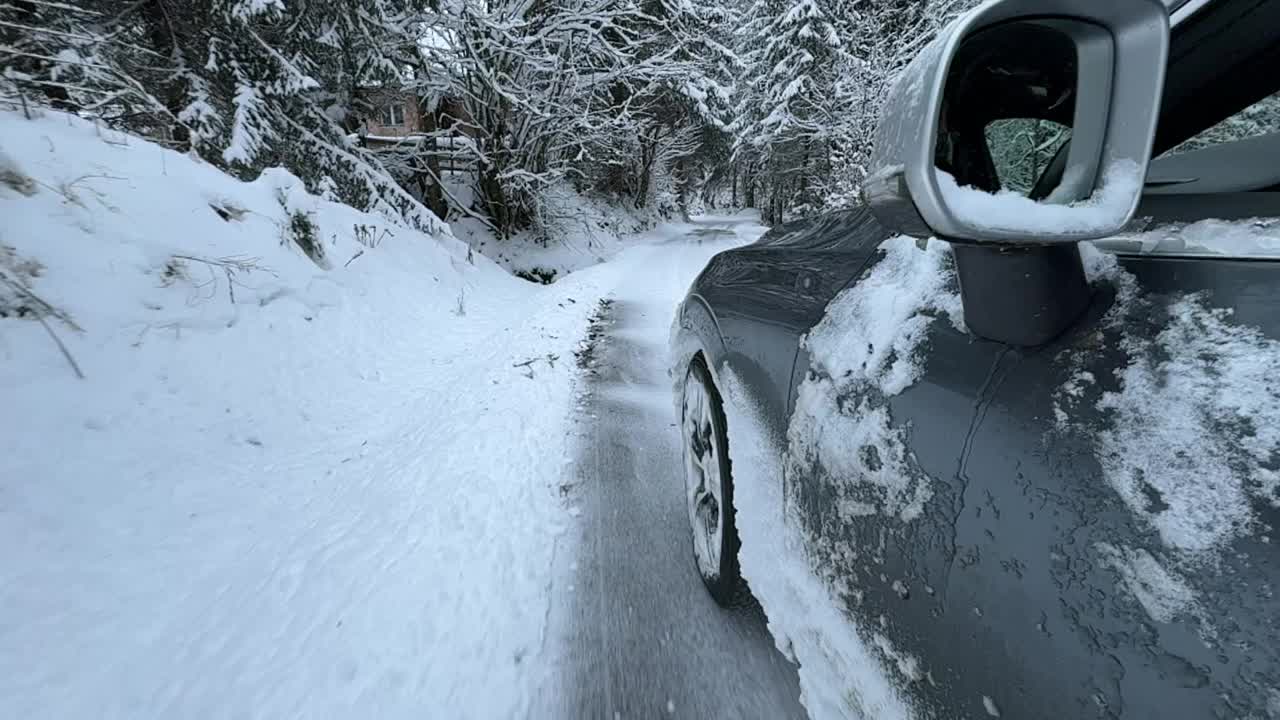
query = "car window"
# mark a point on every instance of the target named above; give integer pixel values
(1022, 148)
(1256, 238)
(1261, 118)
(1239, 154)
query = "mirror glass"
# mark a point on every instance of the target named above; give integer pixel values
(1022, 150)
(1009, 109)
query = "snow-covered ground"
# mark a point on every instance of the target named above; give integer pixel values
(287, 484)
(579, 232)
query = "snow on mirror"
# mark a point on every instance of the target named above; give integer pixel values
(1004, 130)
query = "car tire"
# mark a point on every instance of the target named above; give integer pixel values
(709, 485)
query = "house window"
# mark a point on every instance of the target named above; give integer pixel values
(393, 115)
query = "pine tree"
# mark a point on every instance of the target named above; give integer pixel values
(794, 52)
(884, 36)
(705, 90)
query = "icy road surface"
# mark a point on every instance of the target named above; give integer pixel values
(640, 637)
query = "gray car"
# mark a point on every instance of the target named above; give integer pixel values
(1068, 504)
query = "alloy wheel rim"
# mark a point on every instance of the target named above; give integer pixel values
(702, 477)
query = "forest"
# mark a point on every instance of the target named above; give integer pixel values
(662, 106)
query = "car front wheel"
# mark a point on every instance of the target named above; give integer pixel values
(709, 484)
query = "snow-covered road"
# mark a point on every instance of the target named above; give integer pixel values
(249, 480)
(638, 635)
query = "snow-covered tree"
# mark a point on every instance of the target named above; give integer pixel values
(794, 52)
(695, 103)
(652, 103)
(884, 36)
(246, 84)
(817, 73)
(601, 93)
(1022, 148)
(82, 57)
(273, 83)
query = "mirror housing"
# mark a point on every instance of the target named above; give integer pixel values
(1120, 54)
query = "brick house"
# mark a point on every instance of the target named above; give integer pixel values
(396, 114)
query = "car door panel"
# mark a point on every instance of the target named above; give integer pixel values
(1060, 522)
(898, 571)
(1011, 587)
(1051, 637)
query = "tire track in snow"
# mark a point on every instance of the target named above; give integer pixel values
(640, 637)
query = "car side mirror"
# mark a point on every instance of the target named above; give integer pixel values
(972, 141)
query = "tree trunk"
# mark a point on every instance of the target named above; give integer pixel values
(803, 182)
(647, 153)
(682, 182)
(163, 39)
(432, 196)
(777, 193)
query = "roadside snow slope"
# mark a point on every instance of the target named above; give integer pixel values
(579, 231)
(284, 487)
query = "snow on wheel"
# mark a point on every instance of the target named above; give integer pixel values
(709, 484)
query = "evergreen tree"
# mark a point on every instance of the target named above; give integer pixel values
(246, 84)
(884, 35)
(794, 52)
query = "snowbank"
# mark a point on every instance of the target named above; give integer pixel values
(579, 231)
(311, 467)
